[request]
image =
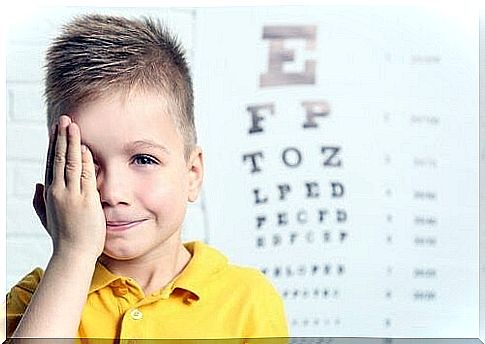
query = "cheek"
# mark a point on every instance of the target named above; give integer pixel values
(157, 193)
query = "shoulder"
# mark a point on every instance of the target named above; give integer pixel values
(20, 294)
(260, 289)
(246, 290)
(30, 281)
(213, 264)
(248, 276)
(23, 290)
(18, 298)
(211, 268)
(266, 315)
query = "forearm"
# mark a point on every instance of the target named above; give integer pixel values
(56, 306)
(69, 207)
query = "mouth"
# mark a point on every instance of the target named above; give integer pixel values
(118, 226)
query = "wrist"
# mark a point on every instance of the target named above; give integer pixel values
(73, 255)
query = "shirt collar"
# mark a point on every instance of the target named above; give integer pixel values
(101, 277)
(205, 262)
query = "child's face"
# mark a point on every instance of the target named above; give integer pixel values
(142, 176)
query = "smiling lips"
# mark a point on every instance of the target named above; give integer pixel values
(121, 225)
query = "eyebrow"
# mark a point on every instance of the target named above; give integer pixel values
(145, 144)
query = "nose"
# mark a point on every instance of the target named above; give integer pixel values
(113, 188)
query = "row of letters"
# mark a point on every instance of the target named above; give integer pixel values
(309, 237)
(316, 293)
(327, 269)
(292, 157)
(310, 190)
(315, 322)
(301, 217)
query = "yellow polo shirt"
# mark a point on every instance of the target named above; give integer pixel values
(209, 299)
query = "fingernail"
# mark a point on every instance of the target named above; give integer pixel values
(83, 148)
(62, 121)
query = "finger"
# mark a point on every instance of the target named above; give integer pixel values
(39, 204)
(74, 159)
(88, 174)
(58, 177)
(50, 155)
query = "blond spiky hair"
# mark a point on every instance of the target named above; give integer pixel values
(97, 54)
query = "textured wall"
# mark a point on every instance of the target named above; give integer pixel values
(28, 245)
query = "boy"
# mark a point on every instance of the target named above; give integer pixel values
(122, 163)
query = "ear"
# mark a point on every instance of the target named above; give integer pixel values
(196, 173)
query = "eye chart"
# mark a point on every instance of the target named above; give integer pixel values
(341, 149)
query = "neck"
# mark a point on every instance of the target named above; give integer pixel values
(155, 271)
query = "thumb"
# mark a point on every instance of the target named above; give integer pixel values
(39, 204)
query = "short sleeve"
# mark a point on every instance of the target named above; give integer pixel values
(267, 316)
(18, 299)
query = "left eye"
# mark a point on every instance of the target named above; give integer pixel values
(144, 160)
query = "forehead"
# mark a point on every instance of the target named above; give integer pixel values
(126, 116)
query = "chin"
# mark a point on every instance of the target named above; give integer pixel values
(118, 254)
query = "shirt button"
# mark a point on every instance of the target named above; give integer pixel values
(136, 314)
